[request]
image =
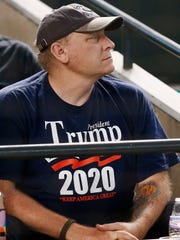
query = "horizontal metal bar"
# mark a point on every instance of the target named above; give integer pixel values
(152, 35)
(99, 148)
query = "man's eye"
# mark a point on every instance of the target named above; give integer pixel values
(93, 38)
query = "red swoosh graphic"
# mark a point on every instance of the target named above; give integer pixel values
(81, 163)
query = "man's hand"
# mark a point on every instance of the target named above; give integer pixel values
(101, 232)
(124, 229)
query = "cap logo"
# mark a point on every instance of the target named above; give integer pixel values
(83, 10)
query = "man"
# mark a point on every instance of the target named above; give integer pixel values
(17, 61)
(74, 100)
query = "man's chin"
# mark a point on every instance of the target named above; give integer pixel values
(110, 70)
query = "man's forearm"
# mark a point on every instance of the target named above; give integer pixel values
(151, 196)
(30, 212)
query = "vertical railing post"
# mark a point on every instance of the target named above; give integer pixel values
(127, 47)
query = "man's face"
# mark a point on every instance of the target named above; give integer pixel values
(90, 54)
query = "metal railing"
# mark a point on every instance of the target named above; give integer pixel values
(99, 148)
(133, 25)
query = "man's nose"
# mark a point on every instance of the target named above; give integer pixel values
(109, 43)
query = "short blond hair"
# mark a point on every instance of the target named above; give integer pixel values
(46, 58)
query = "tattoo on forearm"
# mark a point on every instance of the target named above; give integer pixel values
(145, 196)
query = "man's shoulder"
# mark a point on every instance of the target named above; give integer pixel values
(117, 83)
(28, 84)
(121, 89)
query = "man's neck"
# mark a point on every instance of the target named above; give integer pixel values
(72, 89)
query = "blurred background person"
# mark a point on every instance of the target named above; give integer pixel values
(17, 61)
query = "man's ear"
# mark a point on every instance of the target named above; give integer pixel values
(59, 52)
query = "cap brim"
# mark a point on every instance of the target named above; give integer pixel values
(102, 23)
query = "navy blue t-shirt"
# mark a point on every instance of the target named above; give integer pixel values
(87, 188)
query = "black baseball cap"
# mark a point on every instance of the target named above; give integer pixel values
(72, 18)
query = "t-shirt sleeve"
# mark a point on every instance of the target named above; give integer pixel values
(11, 134)
(148, 126)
